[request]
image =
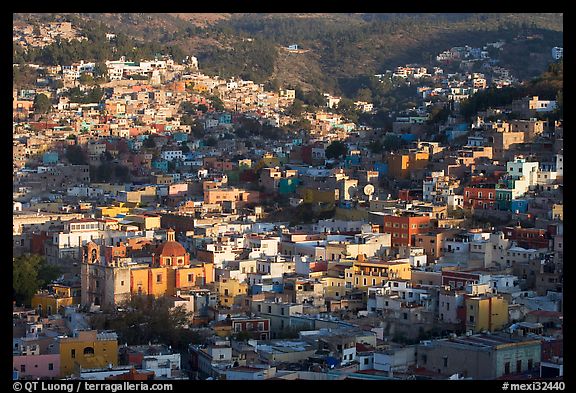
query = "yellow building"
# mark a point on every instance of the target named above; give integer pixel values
(363, 273)
(400, 165)
(334, 287)
(200, 88)
(145, 222)
(112, 211)
(231, 291)
(268, 160)
(60, 296)
(558, 212)
(312, 195)
(88, 349)
(486, 313)
(167, 280)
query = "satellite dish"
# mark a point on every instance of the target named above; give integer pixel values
(368, 189)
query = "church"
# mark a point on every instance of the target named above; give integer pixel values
(110, 276)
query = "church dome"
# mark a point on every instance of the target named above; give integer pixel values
(170, 249)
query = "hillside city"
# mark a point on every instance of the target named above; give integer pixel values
(170, 224)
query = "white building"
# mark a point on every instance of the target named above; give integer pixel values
(557, 52)
(171, 155)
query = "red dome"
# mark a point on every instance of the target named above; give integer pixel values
(170, 249)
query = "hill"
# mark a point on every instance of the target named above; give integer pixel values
(339, 45)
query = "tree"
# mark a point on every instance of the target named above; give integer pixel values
(336, 150)
(364, 94)
(25, 282)
(100, 70)
(103, 173)
(217, 103)
(30, 272)
(75, 155)
(150, 319)
(296, 108)
(42, 103)
(211, 141)
(149, 143)
(86, 79)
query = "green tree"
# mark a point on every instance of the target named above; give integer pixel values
(150, 319)
(25, 281)
(296, 109)
(30, 272)
(42, 103)
(217, 103)
(336, 150)
(100, 70)
(86, 79)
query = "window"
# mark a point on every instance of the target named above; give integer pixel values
(158, 278)
(190, 278)
(50, 366)
(88, 351)
(73, 354)
(445, 361)
(405, 315)
(530, 365)
(366, 360)
(269, 309)
(471, 318)
(22, 368)
(507, 368)
(259, 308)
(260, 326)
(519, 366)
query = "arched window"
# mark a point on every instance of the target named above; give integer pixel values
(88, 351)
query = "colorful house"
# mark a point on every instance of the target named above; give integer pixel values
(88, 349)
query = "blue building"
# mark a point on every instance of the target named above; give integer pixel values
(519, 206)
(180, 137)
(381, 168)
(225, 118)
(161, 165)
(352, 160)
(50, 157)
(408, 137)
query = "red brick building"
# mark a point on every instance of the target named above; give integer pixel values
(528, 237)
(403, 228)
(459, 280)
(481, 196)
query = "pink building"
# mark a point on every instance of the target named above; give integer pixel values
(37, 366)
(178, 189)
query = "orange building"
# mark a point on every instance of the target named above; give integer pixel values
(231, 195)
(107, 279)
(401, 165)
(402, 228)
